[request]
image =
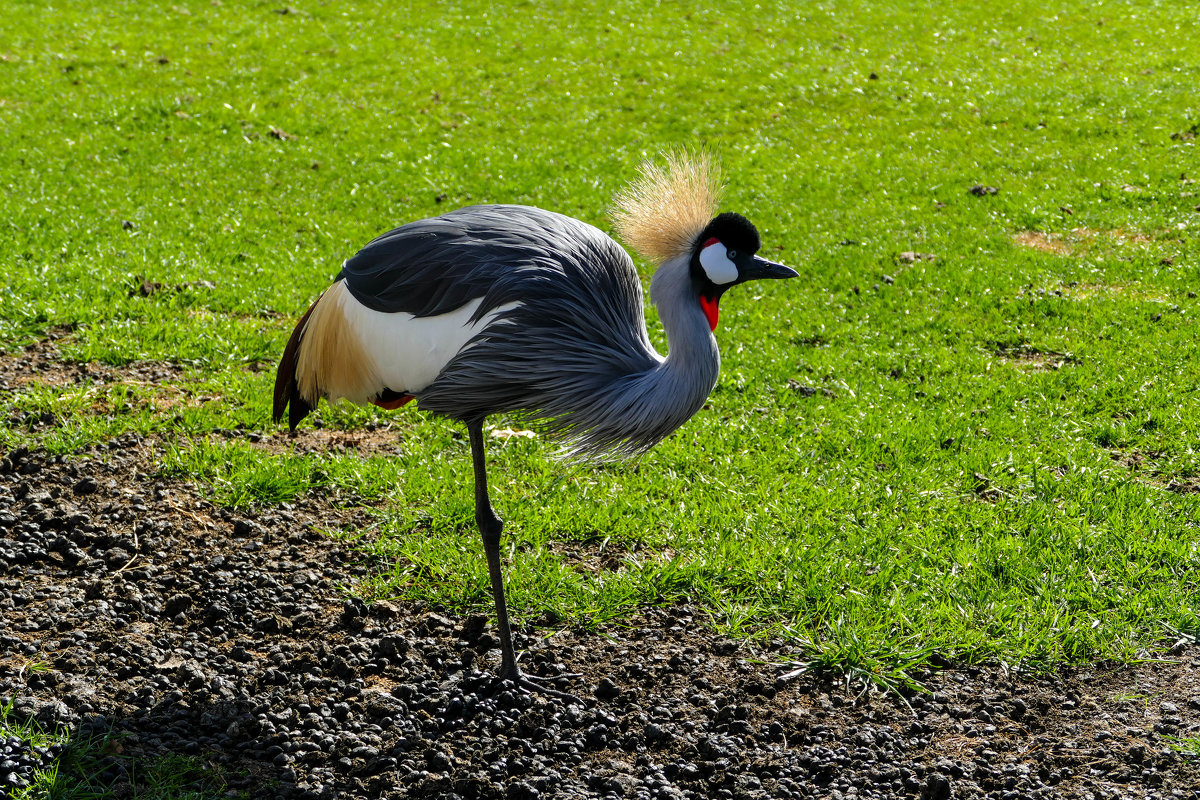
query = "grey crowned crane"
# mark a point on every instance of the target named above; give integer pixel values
(507, 309)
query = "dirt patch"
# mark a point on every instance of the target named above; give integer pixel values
(375, 439)
(1078, 241)
(1145, 467)
(1028, 357)
(133, 605)
(602, 554)
(1046, 242)
(41, 363)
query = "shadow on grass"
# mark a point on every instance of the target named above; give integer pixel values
(125, 755)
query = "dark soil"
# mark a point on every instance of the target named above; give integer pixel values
(134, 608)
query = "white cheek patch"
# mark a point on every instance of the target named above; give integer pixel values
(717, 266)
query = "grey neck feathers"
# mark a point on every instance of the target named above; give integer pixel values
(633, 400)
(640, 409)
(689, 372)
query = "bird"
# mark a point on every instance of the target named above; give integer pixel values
(514, 310)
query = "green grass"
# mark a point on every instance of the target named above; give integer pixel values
(1188, 745)
(828, 493)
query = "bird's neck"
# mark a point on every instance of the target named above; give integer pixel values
(693, 361)
(640, 408)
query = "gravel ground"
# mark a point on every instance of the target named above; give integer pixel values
(188, 629)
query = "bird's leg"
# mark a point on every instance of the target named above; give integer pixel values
(490, 528)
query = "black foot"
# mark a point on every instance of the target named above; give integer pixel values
(533, 683)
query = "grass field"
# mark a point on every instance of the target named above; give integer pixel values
(968, 431)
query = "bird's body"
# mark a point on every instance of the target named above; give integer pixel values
(511, 309)
(486, 309)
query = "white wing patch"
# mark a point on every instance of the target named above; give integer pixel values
(716, 263)
(408, 352)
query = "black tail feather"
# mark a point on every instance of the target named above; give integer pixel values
(287, 390)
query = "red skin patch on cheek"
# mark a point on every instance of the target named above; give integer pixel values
(709, 305)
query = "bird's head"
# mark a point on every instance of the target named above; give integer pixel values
(725, 254)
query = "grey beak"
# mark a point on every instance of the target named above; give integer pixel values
(759, 268)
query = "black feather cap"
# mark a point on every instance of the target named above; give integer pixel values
(734, 231)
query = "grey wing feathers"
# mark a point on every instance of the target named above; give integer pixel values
(574, 336)
(433, 266)
(572, 339)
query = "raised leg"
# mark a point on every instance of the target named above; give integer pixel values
(490, 528)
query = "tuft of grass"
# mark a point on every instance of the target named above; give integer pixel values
(1188, 745)
(90, 767)
(32, 734)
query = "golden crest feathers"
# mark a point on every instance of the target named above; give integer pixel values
(661, 213)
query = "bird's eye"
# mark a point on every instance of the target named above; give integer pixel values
(732, 254)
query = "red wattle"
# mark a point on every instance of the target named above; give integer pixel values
(709, 304)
